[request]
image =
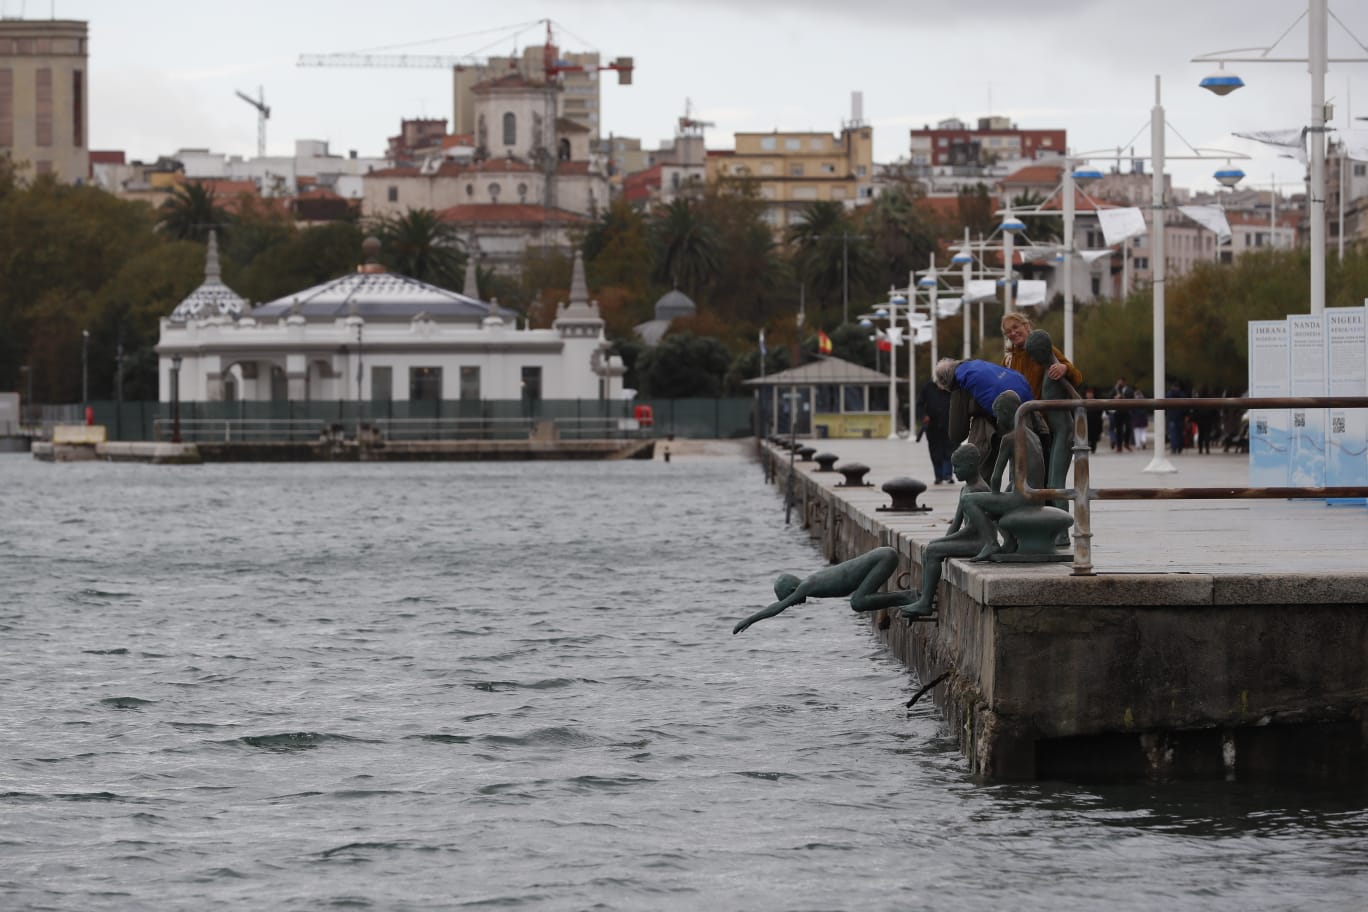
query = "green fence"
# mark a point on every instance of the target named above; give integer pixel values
(284, 420)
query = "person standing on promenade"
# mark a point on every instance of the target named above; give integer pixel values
(1176, 418)
(1121, 418)
(974, 386)
(1140, 422)
(933, 421)
(1094, 420)
(1016, 326)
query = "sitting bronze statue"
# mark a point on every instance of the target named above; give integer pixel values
(962, 541)
(860, 578)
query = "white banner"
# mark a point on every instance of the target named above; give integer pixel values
(1346, 455)
(1030, 293)
(1121, 224)
(982, 290)
(1269, 429)
(1292, 142)
(1092, 256)
(1212, 218)
(948, 307)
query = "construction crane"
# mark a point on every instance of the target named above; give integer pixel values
(263, 114)
(552, 64)
(690, 125)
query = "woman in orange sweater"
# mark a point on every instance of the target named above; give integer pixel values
(1016, 326)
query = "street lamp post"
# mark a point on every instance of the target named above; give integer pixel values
(894, 331)
(1317, 61)
(175, 399)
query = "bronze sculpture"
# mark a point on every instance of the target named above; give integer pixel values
(860, 578)
(982, 509)
(962, 541)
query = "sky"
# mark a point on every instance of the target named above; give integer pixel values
(163, 73)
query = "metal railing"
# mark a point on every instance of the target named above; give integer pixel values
(1082, 493)
(269, 430)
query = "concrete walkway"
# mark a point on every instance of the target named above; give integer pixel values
(1188, 536)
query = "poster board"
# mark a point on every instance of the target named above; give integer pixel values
(1269, 362)
(1307, 377)
(1346, 453)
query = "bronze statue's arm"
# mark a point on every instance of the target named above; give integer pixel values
(771, 611)
(1003, 457)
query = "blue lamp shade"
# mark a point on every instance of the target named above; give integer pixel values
(866, 323)
(897, 299)
(1012, 223)
(926, 282)
(1221, 82)
(961, 259)
(1229, 177)
(1086, 175)
(881, 312)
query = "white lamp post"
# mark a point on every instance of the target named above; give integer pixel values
(1317, 60)
(963, 258)
(1009, 227)
(894, 299)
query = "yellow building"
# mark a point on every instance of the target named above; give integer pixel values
(44, 97)
(794, 170)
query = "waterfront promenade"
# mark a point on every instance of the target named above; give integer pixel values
(1216, 638)
(1186, 536)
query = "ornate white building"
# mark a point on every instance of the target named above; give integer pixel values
(374, 336)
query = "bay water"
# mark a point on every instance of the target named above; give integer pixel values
(514, 686)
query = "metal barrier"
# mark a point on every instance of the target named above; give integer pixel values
(1082, 493)
(263, 430)
(243, 430)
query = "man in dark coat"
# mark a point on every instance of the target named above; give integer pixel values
(933, 421)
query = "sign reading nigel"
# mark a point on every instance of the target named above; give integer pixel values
(1346, 452)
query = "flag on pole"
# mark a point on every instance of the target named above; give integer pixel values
(823, 343)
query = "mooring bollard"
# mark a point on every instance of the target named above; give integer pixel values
(854, 473)
(824, 461)
(904, 492)
(805, 453)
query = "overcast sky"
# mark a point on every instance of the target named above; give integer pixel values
(163, 72)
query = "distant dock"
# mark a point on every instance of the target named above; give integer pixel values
(1218, 639)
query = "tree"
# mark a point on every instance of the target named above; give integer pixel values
(753, 282)
(830, 255)
(902, 237)
(301, 259)
(192, 212)
(682, 366)
(686, 247)
(421, 245)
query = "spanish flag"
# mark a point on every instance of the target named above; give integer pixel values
(823, 343)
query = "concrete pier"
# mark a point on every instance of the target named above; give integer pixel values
(1218, 639)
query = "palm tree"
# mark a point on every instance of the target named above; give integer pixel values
(420, 244)
(687, 247)
(830, 254)
(191, 213)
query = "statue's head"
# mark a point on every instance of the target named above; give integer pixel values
(1005, 408)
(965, 461)
(1039, 347)
(784, 584)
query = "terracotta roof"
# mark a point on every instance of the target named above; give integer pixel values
(509, 212)
(1035, 174)
(640, 186)
(456, 169)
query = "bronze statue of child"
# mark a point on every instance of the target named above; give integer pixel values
(860, 578)
(983, 508)
(962, 541)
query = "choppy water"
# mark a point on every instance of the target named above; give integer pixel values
(514, 686)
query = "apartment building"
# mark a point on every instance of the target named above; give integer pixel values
(794, 170)
(954, 143)
(44, 97)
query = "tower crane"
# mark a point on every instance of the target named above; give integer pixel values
(552, 64)
(263, 114)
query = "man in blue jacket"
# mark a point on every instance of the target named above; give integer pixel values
(973, 386)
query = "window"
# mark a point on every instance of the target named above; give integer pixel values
(382, 384)
(43, 107)
(817, 144)
(805, 193)
(1141, 262)
(522, 193)
(470, 384)
(766, 169)
(796, 169)
(77, 109)
(425, 384)
(494, 190)
(852, 398)
(768, 143)
(793, 144)
(828, 398)
(392, 194)
(531, 385)
(878, 399)
(470, 189)
(1360, 169)
(510, 129)
(860, 170)
(828, 168)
